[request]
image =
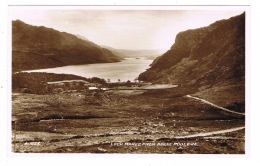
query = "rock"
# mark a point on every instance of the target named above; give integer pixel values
(102, 150)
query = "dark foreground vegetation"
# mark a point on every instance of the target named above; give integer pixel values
(34, 82)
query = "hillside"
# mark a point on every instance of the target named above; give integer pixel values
(36, 47)
(127, 53)
(211, 58)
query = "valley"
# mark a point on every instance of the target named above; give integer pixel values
(70, 95)
(125, 121)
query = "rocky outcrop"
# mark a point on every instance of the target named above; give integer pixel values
(212, 59)
(36, 47)
(203, 56)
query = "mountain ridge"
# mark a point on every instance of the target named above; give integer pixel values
(130, 53)
(211, 58)
(194, 45)
(36, 47)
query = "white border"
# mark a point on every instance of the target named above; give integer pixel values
(252, 121)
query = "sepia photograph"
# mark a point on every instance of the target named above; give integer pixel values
(128, 80)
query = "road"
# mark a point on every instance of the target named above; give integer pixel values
(210, 133)
(216, 106)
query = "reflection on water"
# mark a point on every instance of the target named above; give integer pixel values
(128, 69)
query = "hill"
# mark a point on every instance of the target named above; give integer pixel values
(36, 47)
(127, 53)
(211, 58)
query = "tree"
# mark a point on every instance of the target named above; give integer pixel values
(136, 79)
(128, 83)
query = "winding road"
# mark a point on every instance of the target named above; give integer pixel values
(216, 106)
(213, 132)
(210, 133)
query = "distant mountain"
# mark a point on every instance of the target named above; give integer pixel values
(211, 58)
(126, 53)
(36, 47)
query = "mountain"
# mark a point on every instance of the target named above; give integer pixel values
(115, 51)
(127, 53)
(36, 47)
(211, 58)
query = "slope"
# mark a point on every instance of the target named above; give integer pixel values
(211, 58)
(36, 47)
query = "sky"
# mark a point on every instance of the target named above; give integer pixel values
(122, 29)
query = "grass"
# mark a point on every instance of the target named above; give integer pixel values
(76, 121)
(231, 96)
(72, 125)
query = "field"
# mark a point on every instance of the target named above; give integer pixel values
(123, 121)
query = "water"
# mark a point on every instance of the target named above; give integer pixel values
(127, 69)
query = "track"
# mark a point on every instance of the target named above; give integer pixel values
(216, 106)
(210, 133)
